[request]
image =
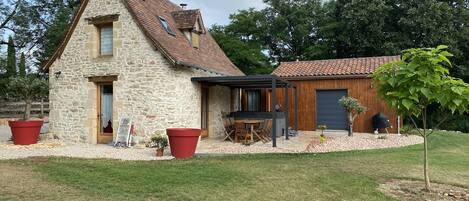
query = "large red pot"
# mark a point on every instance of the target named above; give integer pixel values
(25, 132)
(183, 141)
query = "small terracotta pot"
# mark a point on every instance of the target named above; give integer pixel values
(159, 152)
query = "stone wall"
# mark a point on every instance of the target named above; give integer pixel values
(219, 104)
(150, 91)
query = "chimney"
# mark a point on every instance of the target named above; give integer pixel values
(183, 6)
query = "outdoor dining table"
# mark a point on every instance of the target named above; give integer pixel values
(251, 123)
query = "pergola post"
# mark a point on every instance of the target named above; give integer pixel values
(287, 123)
(296, 108)
(274, 112)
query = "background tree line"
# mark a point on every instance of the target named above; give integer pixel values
(257, 40)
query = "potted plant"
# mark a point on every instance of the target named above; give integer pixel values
(354, 108)
(160, 142)
(322, 137)
(26, 88)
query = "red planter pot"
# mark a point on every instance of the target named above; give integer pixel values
(25, 132)
(183, 141)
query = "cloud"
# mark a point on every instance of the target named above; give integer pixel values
(218, 11)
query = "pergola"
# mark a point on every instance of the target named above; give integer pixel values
(261, 82)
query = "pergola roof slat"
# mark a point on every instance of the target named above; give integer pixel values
(252, 81)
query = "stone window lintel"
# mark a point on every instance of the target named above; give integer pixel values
(102, 19)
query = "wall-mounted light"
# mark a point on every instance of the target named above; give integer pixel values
(57, 74)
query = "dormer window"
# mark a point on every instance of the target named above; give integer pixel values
(191, 24)
(166, 26)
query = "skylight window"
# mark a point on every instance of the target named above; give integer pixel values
(166, 27)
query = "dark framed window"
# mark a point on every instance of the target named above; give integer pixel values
(166, 26)
(253, 100)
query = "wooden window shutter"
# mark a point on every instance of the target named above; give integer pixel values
(195, 40)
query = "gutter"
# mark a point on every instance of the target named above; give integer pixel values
(325, 77)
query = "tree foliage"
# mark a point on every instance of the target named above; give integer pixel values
(419, 80)
(22, 65)
(353, 108)
(38, 25)
(11, 58)
(245, 55)
(27, 89)
(311, 29)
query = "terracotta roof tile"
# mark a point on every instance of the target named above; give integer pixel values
(186, 19)
(333, 67)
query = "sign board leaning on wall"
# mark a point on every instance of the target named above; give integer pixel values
(123, 137)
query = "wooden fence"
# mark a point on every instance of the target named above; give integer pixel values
(16, 109)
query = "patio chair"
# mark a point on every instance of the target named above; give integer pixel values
(266, 131)
(228, 129)
(242, 132)
(262, 131)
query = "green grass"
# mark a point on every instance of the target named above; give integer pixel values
(335, 176)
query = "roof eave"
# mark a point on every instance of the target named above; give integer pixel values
(325, 77)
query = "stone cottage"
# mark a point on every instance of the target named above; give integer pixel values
(135, 59)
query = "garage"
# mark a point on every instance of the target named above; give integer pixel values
(321, 83)
(328, 110)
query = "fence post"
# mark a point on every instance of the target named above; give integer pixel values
(42, 107)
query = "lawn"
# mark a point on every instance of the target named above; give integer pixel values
(335, 176)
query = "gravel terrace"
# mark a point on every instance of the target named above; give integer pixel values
(306, 142)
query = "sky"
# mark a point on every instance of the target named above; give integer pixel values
(218, 11)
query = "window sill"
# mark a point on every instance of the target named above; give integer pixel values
(104, 57)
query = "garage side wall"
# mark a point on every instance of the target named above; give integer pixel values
(360, 89)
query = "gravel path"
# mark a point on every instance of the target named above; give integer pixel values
(56, 148)
(364, 142)
(308, 142)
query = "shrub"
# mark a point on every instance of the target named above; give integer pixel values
(158, 141)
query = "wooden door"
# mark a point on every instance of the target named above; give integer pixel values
(105, 112)
(204, 112)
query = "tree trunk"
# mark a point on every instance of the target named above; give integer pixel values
(27, 110)
(350, 124)
(425, 164)
(425, 151)
(350, 130)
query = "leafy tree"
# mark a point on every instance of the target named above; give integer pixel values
(353, 108)
(36, 24)
(247, 56)
(11, 58)
(419, 80)
(22, 65)
(62, 14)
(26, 88)
(291, 29)
(355, 28)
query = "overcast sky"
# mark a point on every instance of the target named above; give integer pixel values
(218, 11)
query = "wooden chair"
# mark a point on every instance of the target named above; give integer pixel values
(228, 129)
(241, 132)
(260, 130)
(265, 130)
